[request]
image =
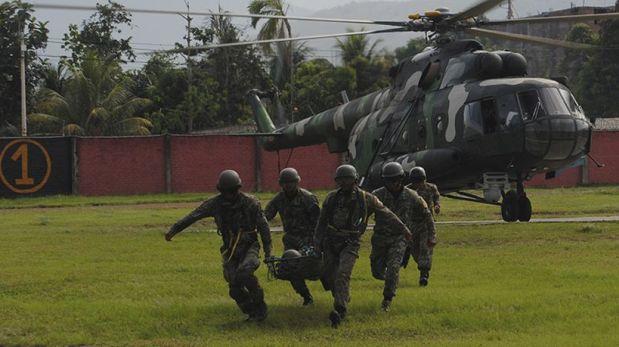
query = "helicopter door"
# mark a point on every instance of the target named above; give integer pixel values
(481, 125)
(417, 127)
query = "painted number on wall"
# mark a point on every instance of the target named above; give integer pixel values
(25, 166)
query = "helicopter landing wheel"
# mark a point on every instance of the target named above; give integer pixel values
(510, 207)
(525, 210)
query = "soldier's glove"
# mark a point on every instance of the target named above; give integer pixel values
(432, 242)
(408, 236)
(437, 209)
(169, 236)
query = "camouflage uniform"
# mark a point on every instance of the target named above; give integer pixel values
(420, 250)
(299, 217)
(238, 223)
(389, 246)
(343, 220)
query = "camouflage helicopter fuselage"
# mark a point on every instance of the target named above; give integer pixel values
(458, 111)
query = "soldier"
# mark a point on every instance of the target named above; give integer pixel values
(422, 250)
(239, 219)
(343, 220)
(389, 246)
(299, 211)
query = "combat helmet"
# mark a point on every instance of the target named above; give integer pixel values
(417, 174)
(291, 253)
(392, 170)
(229, 180)
(346, 171)
(289, 175)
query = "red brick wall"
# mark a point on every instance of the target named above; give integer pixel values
(198, 160)
(567, 178)
(605, 149)
(125, 166)
(315, 165)
(121, 166)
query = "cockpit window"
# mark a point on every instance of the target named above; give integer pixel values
(572, 104)
(531, 105)
(555, 105)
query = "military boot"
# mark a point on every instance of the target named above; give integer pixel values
(308, 300)
(335, 319)
(260, 313)
(424, 276)
(386, 304)
(337, 316)
(259, 307)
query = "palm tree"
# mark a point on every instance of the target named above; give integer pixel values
(356, 46)
(283, 61)
(94, 101)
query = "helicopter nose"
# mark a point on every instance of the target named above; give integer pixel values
(558, 138)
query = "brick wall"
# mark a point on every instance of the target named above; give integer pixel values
(128, 166)
(120, 166)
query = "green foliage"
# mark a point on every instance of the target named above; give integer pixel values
(596, 83)
(574, 60)
(13, 16)
(94, 100)
(220, 80)
(317, 84)
(97, 35)
(236, 71)
(371, 69)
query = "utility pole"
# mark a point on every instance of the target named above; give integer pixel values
(510, 9)
(188, 61)
(22, 79)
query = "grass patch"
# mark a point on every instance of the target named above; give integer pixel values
(86, 275)
(547, 203)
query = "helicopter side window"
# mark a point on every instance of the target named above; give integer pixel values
(509, 112)
(531, 105)
(572, 104)
(480, 117)
(473, 125)
(489, 115)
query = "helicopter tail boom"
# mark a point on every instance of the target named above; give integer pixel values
(261, 116)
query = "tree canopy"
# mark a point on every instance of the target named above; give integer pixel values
(16, 17)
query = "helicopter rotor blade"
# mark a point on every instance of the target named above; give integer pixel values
(527, 38)
(288, 39)
(574, 18)
(476, 10)
(225, 14)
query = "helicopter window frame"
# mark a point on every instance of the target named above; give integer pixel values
(572, 103)
(481, 117)
(525, 112)
(554, 102)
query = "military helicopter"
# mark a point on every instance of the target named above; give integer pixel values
(472, 118)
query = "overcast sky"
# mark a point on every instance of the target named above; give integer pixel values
(161, 31)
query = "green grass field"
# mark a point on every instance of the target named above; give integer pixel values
(96, 271)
